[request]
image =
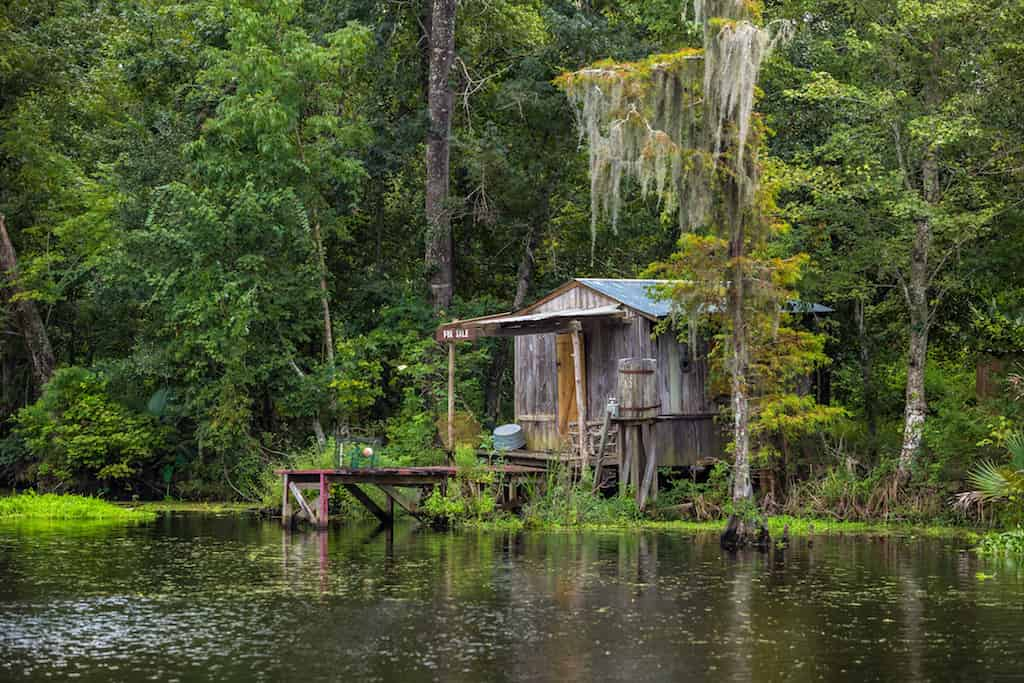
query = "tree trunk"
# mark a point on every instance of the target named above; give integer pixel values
(741, 486)
(868, 379)
(439, 256)
(27, 315)
(915, 291)
(324, 298)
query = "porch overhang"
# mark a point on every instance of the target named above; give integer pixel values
(515, 325)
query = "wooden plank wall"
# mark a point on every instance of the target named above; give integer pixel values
(682, 441)
(688, 440)
(536, 381)
(682, 393)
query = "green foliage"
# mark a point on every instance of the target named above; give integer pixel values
(1002, 543)
(686, 498)
(174, 174)
(411, 433)
(77, 432)
(470, 498)
(561, 502)
(67, 507)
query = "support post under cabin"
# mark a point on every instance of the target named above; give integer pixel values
(581, 401)
(451, 398)
(651, 467)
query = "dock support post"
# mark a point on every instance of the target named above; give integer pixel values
(286, 503)
(368, 503)
(451, 399)
(325, 499)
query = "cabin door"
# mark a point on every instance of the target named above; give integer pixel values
(567, 410)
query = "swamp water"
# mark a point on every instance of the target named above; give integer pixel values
(228, 598)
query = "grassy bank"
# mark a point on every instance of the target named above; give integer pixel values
(798, 526)
(808, 526)
(52, 506)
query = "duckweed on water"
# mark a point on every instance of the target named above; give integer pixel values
(67, 507)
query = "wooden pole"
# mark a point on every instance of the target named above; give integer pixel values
(286, 503)
(304, 506)
(581, 401)
(636, 447)
(650, 472)
(325, 499)
(602, 442)
(451, 398)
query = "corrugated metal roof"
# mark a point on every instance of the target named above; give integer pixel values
(638, 295)
(634, 293)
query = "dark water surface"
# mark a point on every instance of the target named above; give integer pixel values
(236, 599)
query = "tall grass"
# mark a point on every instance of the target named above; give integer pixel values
(67, 507)
(560, 502)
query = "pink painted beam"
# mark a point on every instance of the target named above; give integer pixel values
(325, 498)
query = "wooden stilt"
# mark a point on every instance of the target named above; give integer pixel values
(620, 457)
(626, 469)
(451, 399)
(581, 400)
(394, 497)
(599, 458)
(286, 503)
(650, 469)
(653, 491)
(368, 503)
(307, 511)
(325, 499)
(635, 453)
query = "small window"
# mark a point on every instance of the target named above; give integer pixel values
(685, 362)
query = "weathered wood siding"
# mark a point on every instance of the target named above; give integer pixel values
(683, 391)
(681, 441)
(687, 440)
(536, 380)
(577, 297)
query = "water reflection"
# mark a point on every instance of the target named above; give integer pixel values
(237, 599)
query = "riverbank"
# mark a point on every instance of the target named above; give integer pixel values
(68, 507)
(797, 527)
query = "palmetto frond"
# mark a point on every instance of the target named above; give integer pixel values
(991, 482)
(1015, 444)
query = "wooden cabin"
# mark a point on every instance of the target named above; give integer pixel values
(594, 339)
(614, 320)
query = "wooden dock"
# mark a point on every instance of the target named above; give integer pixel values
(388, 480)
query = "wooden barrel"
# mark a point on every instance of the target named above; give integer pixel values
(638, 388)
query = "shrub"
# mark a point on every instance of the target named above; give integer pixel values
(561, 502)
(469, 498)
(701, 501)
(77, 433)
